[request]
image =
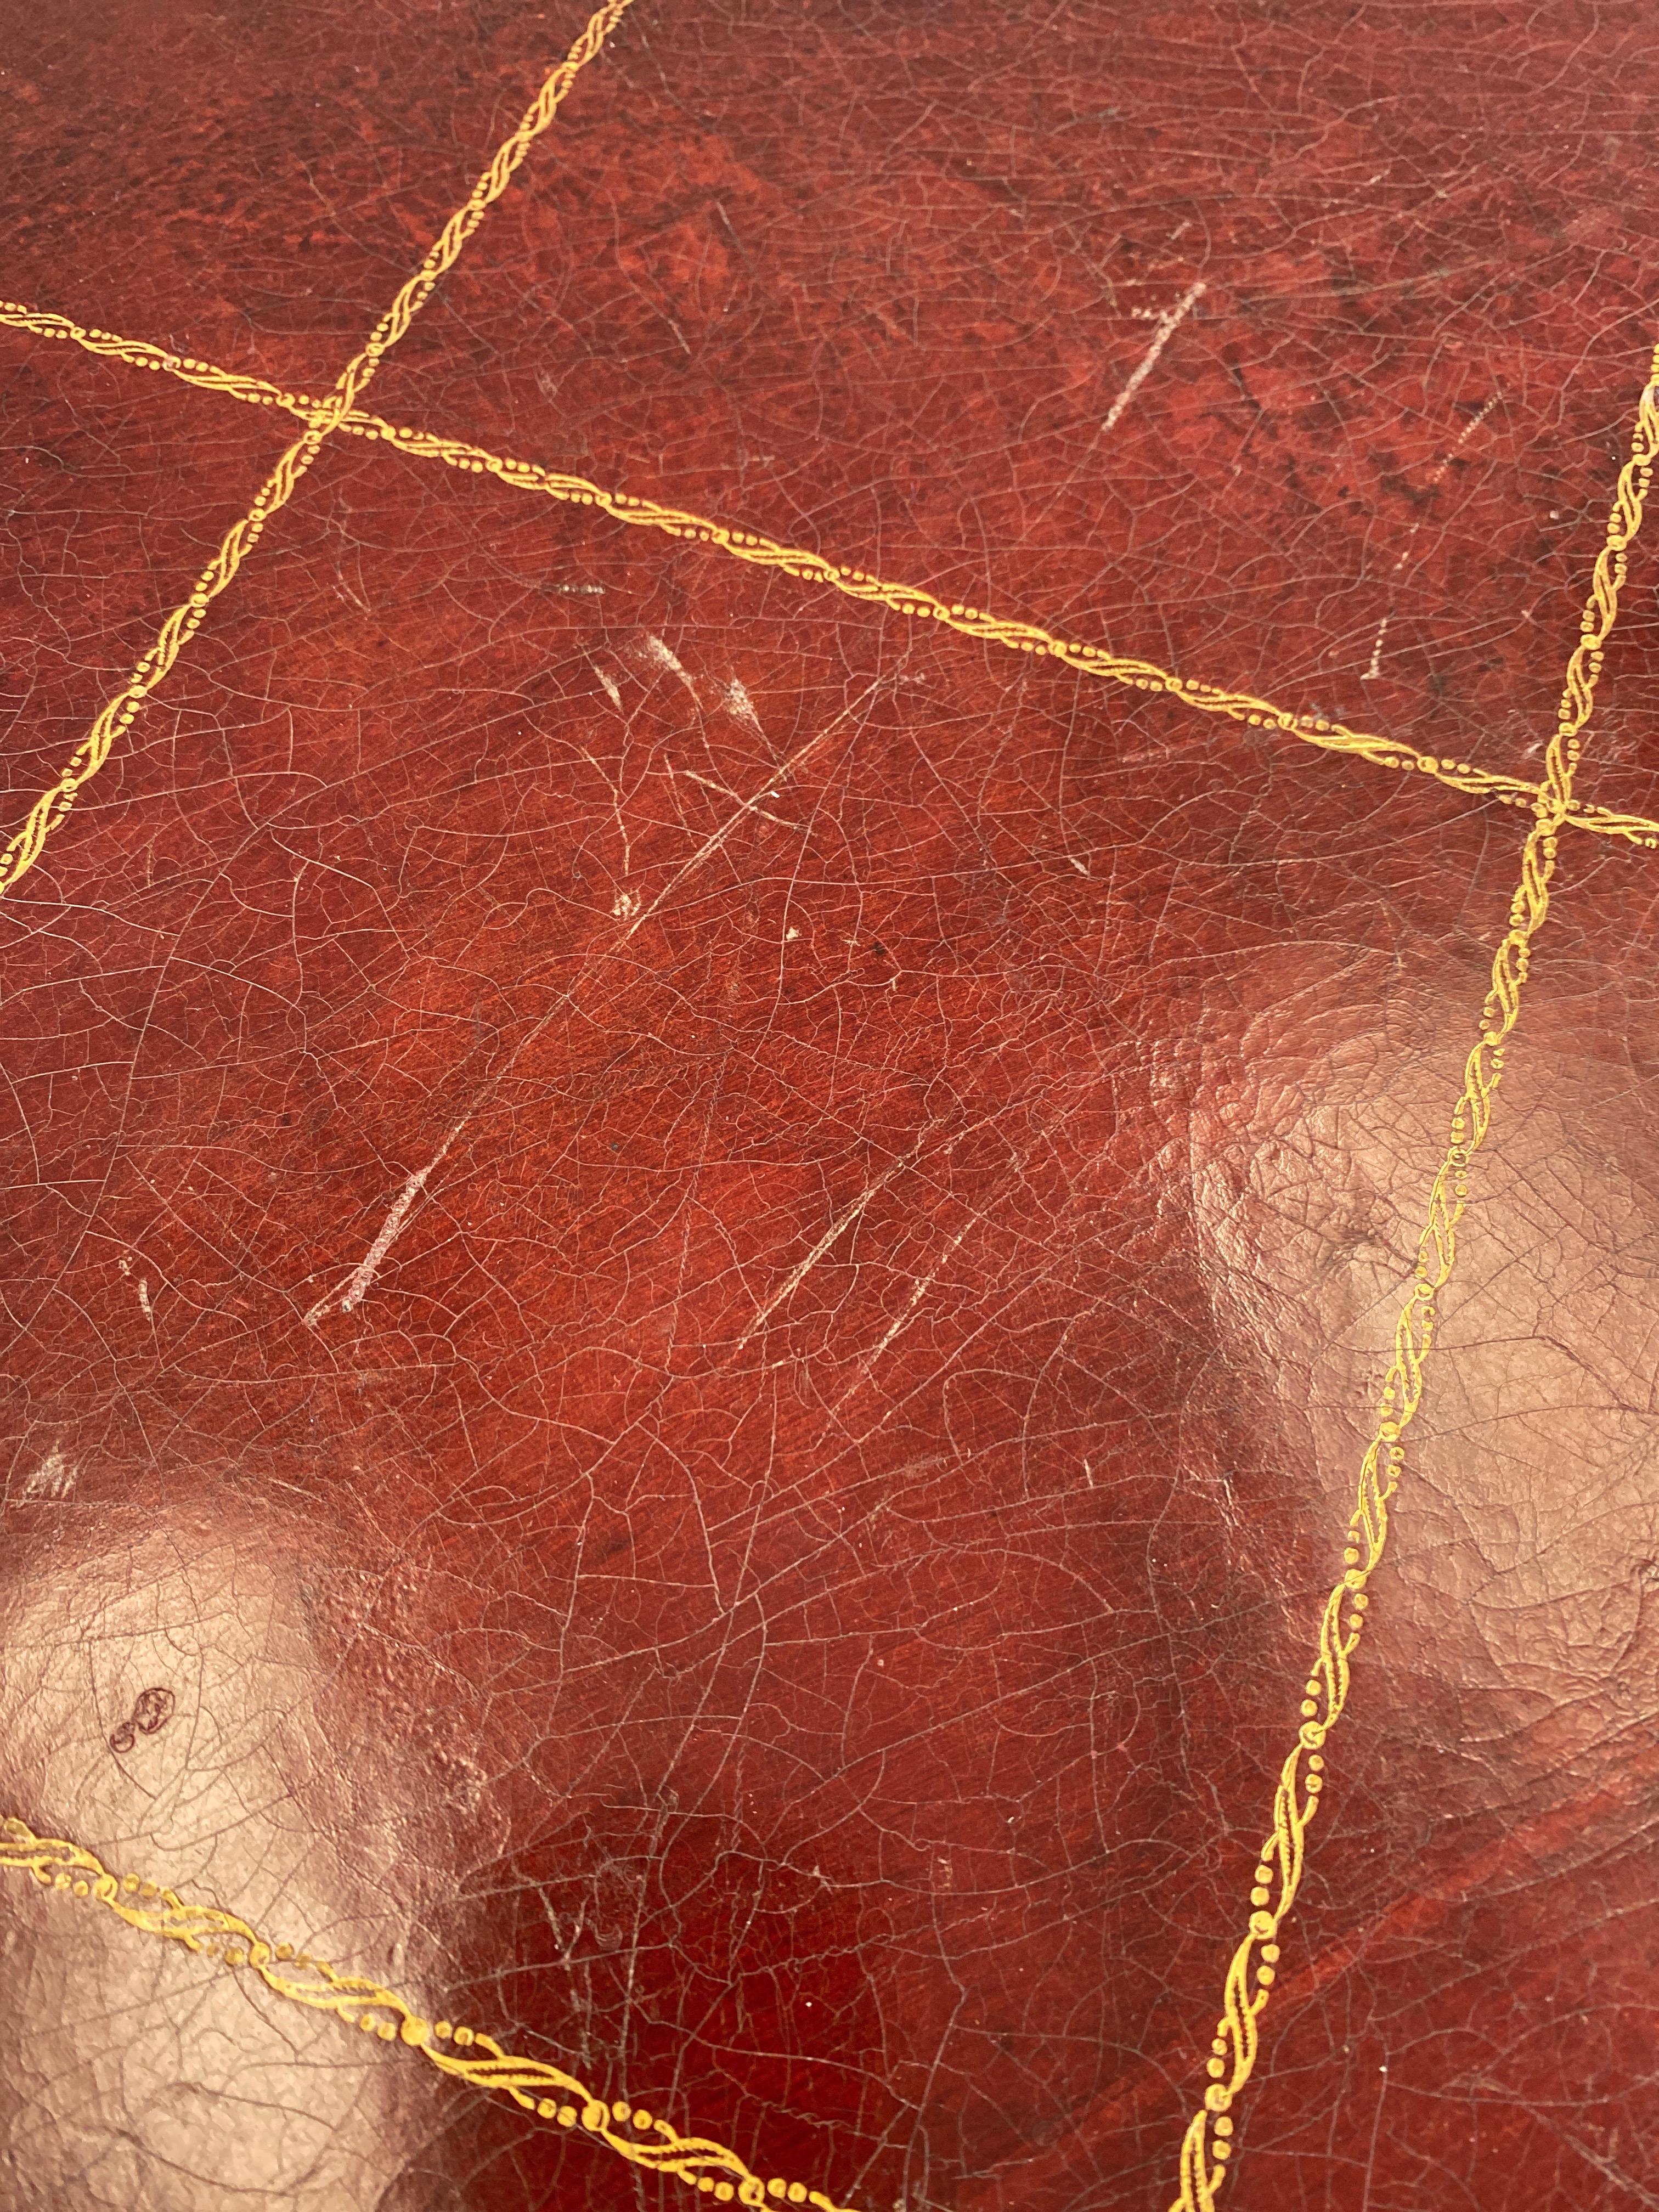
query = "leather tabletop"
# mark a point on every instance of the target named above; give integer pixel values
(830, 1035)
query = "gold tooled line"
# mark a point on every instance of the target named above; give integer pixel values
(357, 2002)
(324, 418)
(1204, 2147)
(910, 599)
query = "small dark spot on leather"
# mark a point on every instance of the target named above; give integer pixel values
(152, 1709)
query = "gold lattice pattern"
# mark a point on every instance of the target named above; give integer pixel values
(118, 714)
(914, 600)
(472, 2054)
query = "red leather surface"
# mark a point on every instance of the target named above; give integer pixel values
(787, 1586)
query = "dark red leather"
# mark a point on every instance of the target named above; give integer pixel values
(788, 1588)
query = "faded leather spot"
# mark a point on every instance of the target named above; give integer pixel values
(1520, 1588)
(137, 2077)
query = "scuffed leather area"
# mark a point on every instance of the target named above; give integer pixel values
(702, 1269)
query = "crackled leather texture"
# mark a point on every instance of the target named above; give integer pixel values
(696, 1271)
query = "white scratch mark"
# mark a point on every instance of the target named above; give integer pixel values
(53, 1478)
(391, 1229)
(610, 683)
(625, 905)
(837, 1228)
(790, 934)
(411, 1190)
(738, 699)
(1375, 670)
(657, 651)
(125, 1263)
(755, 807)
(1376, 2129)
(780, 777)
(1166, 327)
(923, 1284)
